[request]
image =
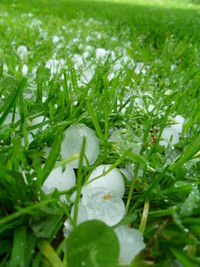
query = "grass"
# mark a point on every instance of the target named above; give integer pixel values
(162, 38)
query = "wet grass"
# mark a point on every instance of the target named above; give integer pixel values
(165, 39)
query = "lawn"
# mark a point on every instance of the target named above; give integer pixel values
(99, 133)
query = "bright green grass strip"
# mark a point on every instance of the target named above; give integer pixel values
(50, 162)
(187, 154)
(95, 121)
(27, 210)
(144, 217)
(11, 101)
(184, 258)
(49, 253)
(19, 248)
(79, 181)
(66, 160)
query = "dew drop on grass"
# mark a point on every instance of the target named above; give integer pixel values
(130, 241)
(103, 204)
(72, 144)
(113, 180)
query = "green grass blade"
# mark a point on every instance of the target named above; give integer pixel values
(49, 253)
(50, 162)
(95, 121)
(11, 101)
(79, 180)
(19, 248)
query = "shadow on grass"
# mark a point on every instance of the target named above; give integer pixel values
(155, 22)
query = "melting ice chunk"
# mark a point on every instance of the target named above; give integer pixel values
(112, 180)
(103, 204)
(57, 179)
(72, 144)
(169, 135)
(130, 242)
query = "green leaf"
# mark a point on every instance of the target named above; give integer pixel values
(91, 244)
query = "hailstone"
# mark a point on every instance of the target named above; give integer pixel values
(179, 124)
(103, 204)
(82, 215)
(72, 144)
(57, 179)
(112, 180)
(130, 242)
(22, 51)
(169, 135)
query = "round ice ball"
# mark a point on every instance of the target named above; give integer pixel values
(178, 127)
(103, 204)
(169, 135)
(130, 242)
(82, 215)
(72, 144)
(57, 179)
(112, 180)
(22, 51)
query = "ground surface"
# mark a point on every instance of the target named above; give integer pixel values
(129, 65)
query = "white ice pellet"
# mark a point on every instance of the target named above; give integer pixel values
(77, 60)
(87, 75)
(5, 67)
(103, 204)
(178, 127)
(113, 180)
(72, 144)
(57, 179)
(55, 65)
(82, 215)
(139, 67)
(130, 242)
(8, 119)
(56, 39)
(116, 136)
(38, 120)
(169, 135)
(67, 228)
(150, 107)
(25, 70)
(22, 51)
(100, 53)
(126, 173)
